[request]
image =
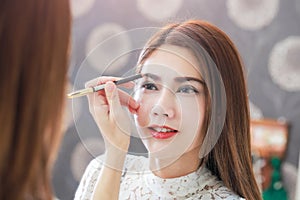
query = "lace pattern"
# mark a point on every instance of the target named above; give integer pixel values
(139, 183)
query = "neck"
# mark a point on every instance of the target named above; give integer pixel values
(175, 167)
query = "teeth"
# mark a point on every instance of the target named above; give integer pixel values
(163, 130)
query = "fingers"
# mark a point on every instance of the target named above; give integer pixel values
(106, 109)
(99, 100)
(112, 97)
(127, 100)
(116, 113)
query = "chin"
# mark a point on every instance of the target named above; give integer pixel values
(164, 151)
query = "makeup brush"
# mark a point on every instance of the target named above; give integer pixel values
(87, 91)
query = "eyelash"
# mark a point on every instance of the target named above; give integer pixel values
(147, 86)
(188, 88)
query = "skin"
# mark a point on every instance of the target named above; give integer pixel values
(169, 99)
(106, 108)
(160, 100)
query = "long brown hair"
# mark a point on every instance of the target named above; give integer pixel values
(34, 38)
(230, 158)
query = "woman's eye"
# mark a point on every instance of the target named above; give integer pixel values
(149, 86)
(188, 90)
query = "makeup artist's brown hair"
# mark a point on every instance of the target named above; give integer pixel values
(34, 38)
(230, 158)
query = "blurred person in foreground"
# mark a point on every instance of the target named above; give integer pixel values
(35, 43)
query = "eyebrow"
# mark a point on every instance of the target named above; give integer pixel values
(187, 78)
(152, 76)
(177, 79)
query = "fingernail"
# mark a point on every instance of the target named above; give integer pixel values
(134, 111)
(137, 105)
(109, 86)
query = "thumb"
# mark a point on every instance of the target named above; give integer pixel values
(116, 112)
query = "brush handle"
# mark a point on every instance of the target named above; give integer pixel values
(87, 91)
(118, 82)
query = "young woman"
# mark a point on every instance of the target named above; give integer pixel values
(35, 42)
(191, 112)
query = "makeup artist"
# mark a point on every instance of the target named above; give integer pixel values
(35, 41)
(192, 114)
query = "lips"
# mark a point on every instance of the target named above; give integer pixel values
(162, 132)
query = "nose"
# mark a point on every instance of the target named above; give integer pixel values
(165, 105)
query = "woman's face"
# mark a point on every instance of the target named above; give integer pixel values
(172, 103)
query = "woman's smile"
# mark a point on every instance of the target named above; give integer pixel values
(162, 132)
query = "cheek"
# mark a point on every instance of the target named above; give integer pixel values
(142, 116)
(193, 113)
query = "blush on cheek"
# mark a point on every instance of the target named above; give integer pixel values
(142, 116)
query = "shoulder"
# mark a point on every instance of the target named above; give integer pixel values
(88, 181)
(218, 192)
(213, 188)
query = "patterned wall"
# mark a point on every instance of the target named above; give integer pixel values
(266, 32)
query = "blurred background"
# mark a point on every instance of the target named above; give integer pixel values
(108, 35)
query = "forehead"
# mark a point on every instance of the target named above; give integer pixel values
(171, 60)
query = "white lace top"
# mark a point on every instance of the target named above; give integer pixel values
(139, 183)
